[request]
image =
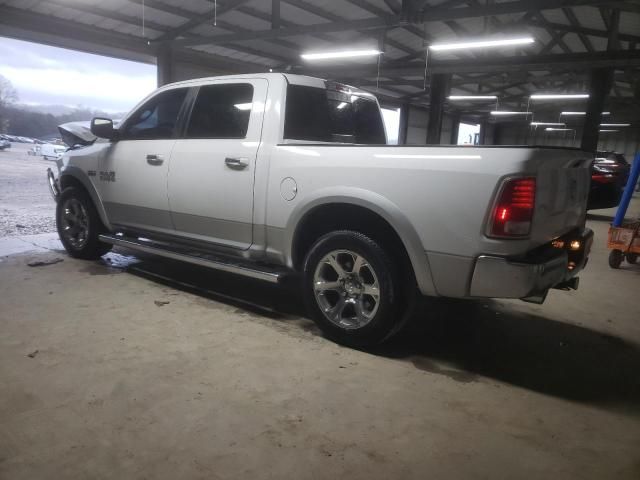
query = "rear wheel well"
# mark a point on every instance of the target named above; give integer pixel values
(345, 216)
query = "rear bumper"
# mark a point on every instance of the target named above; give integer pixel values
(533, 274)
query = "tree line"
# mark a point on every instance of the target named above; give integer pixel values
(28, 123)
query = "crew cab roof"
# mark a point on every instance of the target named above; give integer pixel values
(291, 78)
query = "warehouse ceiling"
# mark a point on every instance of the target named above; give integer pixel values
(571, 37)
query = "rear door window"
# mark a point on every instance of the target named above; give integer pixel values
(317, 114)
(157, 118)
(221, 111)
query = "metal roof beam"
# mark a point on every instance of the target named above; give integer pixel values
(619, 59)
(36, 27)
(556, 37)
(390, 21)
(594, 32)
(310, 8)
(395, 8)
(573, 20)
(108, 14)
(113, 15)
(178, 11)
(200, 19)
(329, 27)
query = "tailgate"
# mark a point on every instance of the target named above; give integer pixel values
(563, 183)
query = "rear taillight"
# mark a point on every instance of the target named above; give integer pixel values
(603, 178)
(513, 212)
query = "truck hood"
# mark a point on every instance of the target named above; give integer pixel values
(78, 134)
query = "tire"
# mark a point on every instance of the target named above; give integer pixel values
(346, 308)
(631, 258)
(615, 258)
(79, 225)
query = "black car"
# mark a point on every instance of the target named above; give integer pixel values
(609, 175)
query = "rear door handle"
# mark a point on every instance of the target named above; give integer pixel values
(153, 159)
(236, 163)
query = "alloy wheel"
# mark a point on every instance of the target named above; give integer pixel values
(75, 223)
(347, 289)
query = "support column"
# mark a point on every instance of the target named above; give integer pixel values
(275, 14)
(455, 128)
(165, 64)
(439, 91)
(600, 80)
(404, 124)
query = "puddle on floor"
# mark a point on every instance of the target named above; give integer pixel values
(110, 264)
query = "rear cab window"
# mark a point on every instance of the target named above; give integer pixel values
(221, 111)
(334, 115)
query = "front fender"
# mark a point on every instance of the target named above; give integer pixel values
(81, 176)
(377, 204)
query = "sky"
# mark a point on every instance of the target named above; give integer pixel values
(44, 75)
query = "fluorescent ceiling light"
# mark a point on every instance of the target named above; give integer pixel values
(504, 42)
(615, 124)
(608, 131)
(472, 97)
(243, 106)
(558, 129)
(341, 105)
(554, 96)
(340, 54)
(505, 112)
(547, 124)
(581, 113)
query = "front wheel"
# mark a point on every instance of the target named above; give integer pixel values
(79, 225)
(632, 258)
(352, 289)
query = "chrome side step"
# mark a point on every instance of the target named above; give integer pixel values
(268, 274)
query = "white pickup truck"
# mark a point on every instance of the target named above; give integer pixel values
(270, 175)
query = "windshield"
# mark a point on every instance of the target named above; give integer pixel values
(321, 115)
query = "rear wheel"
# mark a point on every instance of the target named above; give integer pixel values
(615, 258)
(79, 225)
(352, 289)
(631, 257)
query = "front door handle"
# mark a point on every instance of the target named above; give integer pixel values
(236, 163)
(153, 159)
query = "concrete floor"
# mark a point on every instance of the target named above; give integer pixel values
(143, 368)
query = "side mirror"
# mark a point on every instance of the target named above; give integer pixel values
(103, 128)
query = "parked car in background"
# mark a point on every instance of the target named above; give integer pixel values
(51, 151)
(36, 150)
(609, 174)
(4, 144)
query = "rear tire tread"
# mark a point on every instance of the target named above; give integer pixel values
(391, 314)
